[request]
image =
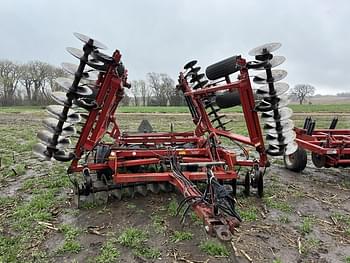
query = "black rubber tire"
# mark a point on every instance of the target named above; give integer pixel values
(228, 99)
(296, 161)
(234, 187)
(318, 160)
(222, 68)
(102, 152)
(260, 184)
(247, 184)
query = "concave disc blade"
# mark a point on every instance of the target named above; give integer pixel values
(275, 150)
(46, 138)
(51, 125)
(70, 67)
(56, 111)
(279, 88)
(275, 147)
(63, 156)
(66, 84)
(40, 150)
(284, 123)
(290, 137)
(278, 103)
(86, 39)
(291, 148)
(264, 49)
(283, 114)
(75, 52)
(61, 98)
(104, 58)
(277, 75)
(193, 71)
(97, 65)
(190, 64)
(272, 63)
(73, 68)
(284, 129)
(197, 77)
(85, 116)
(274, 136)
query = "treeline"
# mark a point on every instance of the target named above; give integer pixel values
(27, 84)
(157, 90)
(31, 84)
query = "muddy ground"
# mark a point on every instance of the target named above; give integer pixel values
(303, 217)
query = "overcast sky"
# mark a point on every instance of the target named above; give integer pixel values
(161, 35)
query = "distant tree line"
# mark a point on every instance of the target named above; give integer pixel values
(31, 84)
(158, 90)
(343, 94)
(27, 84)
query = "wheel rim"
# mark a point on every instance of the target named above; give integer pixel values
(289, 159)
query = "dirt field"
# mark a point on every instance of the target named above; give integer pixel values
(301, 218)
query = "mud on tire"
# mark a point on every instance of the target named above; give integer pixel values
(296, 161)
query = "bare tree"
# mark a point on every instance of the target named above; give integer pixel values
(162, 86)
(53, 73)
(168, 86)
(135, 90)
(27, 81)
(144, 92)
(38, 72)
(302, 91)
(10, 75)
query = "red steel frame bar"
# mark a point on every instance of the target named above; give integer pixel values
(332, 143)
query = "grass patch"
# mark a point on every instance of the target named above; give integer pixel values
(178, 236)
(309, 245)
(132, 237)
(249, 215)
(158, 223)
(136, 239)
(195, 219)
(278, 204)
(9, 247)
(148, 252)
(131, 206)
(347, 259)
(21, 109)
(172, 207)
(70, 245)
(344, 220)
(109, 253)
(214, 248)
(284, 219)
(38, 209)
(306, 226)
(69, 231)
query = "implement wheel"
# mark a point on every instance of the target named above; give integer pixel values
(260, 182)
(296, 161)
(318, 160)
(246, 184)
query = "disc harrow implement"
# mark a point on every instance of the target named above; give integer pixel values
(136, 163)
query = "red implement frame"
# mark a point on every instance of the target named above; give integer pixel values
(332, 144)
(142, 149)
